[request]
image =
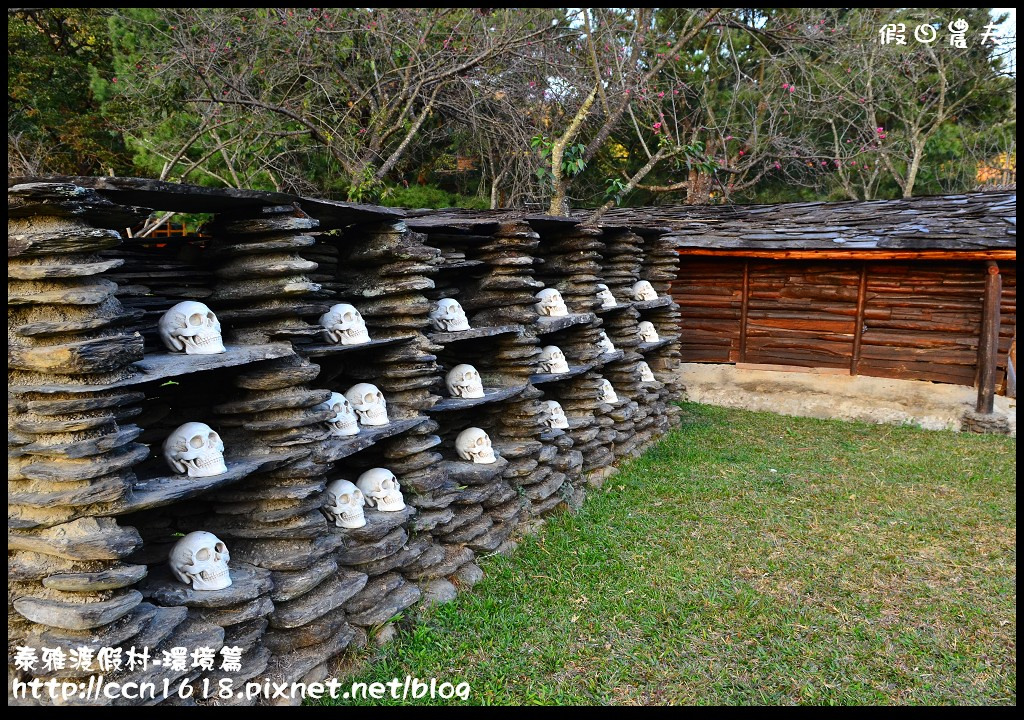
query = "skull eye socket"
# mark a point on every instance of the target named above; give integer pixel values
(357, 496)
(385, 484)
(196, 319)
(214, 438)
(345, 499)
(203, 554)
(221, 547)
(370, 398)
(196, 441)
(348, 317)
(337, 408)
(481, 441)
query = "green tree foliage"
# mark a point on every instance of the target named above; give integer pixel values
(303, 99)
(545, 108)
(899, 119)
(56, 58)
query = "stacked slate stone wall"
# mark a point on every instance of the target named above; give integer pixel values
(93, 509)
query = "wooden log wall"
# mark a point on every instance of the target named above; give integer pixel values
(920, 320)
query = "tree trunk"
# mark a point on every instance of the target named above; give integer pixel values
(699, 190)
(915, 165)
(559, 198)
(495, 184)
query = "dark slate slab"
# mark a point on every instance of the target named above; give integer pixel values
(164, 366)
(574, 370)
(610, 357)
(446, 338)
(118, 576)
(469, 473)
(388, 607)
(491, 395)
(546, 325)
(236, 614)
(341, 447)
(663, 301)
(355, 552)
(57, 197)
(329, 595)
(618, 307)
(378, 524)
(648, 346)
(460, 265)
(336, 214)
(77, 616)
(290, 585)
(247, 582)
(328, 625)
(159, 491)
(543, 223)
(179, 197)
(321, 349)
(143, 616)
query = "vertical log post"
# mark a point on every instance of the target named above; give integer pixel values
(743, 310)
(988, 340)
(858, 329)
(1011, 368)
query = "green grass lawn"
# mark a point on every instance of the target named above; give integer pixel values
(751, 558)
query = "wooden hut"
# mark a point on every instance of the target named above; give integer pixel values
(922, 288)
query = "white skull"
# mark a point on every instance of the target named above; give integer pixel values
(343, 503)
(344, 421)
(605, 296)
(195, 449)
(552, 360)
(369, 404)
(474, 445)
(381, 490)
(343, 324)
(648, 333)
(556, 415)
(608, 393)
(201, 559)
(644, 291)
(448, 316)
(604, 344)
(464, 381)
(550, 303)
(645, 373)
(192, 328)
